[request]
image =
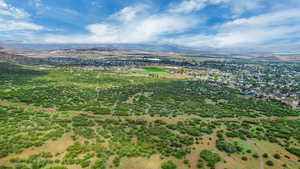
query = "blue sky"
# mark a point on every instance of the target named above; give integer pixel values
(193, 23)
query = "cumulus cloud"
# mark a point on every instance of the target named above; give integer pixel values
(130, 13)
(181, 24)
(254, 30)
(133, 25)
(10, 11)
(14, 19)
(188, 6)
(18, 25)
(237, 7)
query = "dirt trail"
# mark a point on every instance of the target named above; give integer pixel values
(145, 117)
(261, 160)
(149, 118)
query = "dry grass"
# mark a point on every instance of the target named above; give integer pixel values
(141, 163)
(57, 146)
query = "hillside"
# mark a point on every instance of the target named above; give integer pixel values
(70, 118)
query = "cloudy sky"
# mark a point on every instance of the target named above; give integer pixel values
(194, 23)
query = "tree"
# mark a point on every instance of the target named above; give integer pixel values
(270, 163)
(228, 147)
(255, 155)
(277, 156)
(244, 158)
(168, 165)
(210, 157)
(265, 155)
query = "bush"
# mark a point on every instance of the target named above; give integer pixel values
(22, 166)
(244, 158)
(117, 161)
(168, 165)
(200, 164)
(294, 151)
(210, 157)
(269, 163)
(85, 164)
(4, 167)
(265, 155)
(228, 147)
(58, 167)
(277, 156)
(255, 155)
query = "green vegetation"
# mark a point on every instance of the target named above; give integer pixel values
(168, 165)
(295, 151)
(269, 163)
(155, 70)
(265, 155)
(276, 156)
(80, 90)
(23, 128)
(228, 147)
(244, 158)
(108, 117)
(210, 158)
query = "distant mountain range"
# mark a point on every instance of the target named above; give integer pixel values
(254, 51)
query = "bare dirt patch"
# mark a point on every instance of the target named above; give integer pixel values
(57, 146)
(141, 163)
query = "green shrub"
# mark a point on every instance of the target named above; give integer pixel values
(168, 165)
(210, 157)
(228, 147)
(200, 164)
(255, 155)
(269, 163)
(294, 151)
(277, 156)
(244, 158)
(265, 155)
(85, 164)
(57, 167)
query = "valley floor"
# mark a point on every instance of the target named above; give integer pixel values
(61, 118)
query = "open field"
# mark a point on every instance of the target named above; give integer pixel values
(58, 118)
(155, 70)
(84, 135)
(149, 84)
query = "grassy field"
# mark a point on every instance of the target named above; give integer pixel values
(72, 118)
(156, 70)
(78, 141)
(112, 93)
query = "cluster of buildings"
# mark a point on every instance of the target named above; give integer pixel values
(276, 81)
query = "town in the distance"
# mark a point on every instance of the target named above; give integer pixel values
(267, 76)
(102, 107)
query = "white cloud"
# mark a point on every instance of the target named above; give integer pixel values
(269, 19)
(8, 10)
(248, 31)
(18, 25)
(38, 3)
(132, 25)
(3, 4)
(130, 13)
(237, 7)
(15, 19)
(188, 6)
(178, 25)
(154, 26)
